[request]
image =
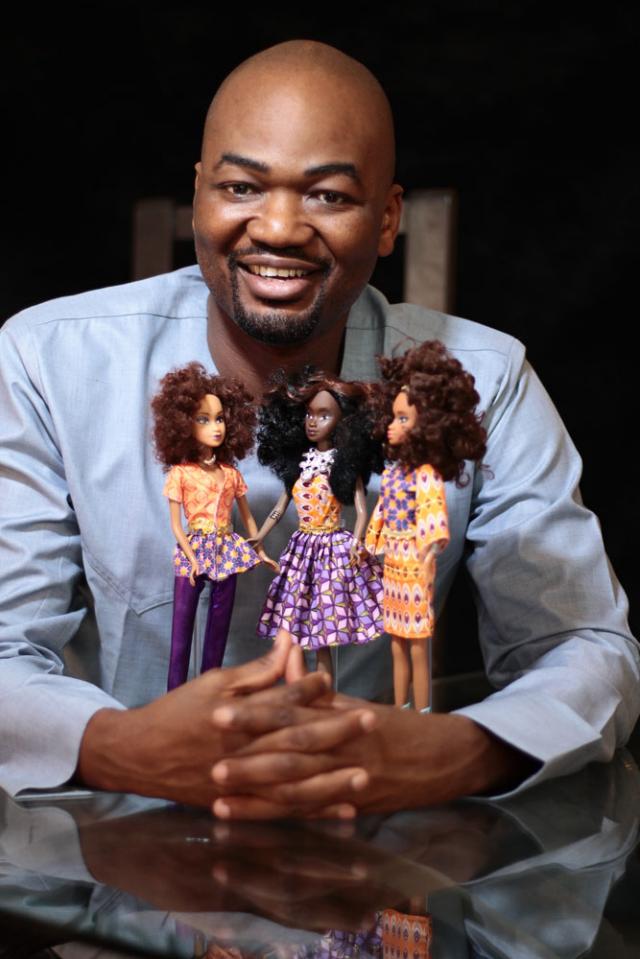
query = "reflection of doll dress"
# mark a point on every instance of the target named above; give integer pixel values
(410, 516)
(318, 596)
(207, 500)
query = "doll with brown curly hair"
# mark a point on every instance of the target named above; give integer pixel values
(203, 424)
(427, 407)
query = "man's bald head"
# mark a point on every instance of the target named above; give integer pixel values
(294, 197)
(321, 78)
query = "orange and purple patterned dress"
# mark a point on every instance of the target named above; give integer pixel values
(319, 595)
(207, 500)
(410, 516)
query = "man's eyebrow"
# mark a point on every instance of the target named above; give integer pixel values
(237, 160)
(330, 169)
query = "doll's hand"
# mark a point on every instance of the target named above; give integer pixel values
(357, 552)
(267, 559)
(195, 571)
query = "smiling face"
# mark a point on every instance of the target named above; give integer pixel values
(293, 199)
(405, 417)
(321, 418)
(209, 427)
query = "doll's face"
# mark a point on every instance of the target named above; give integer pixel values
(405, 417)
(322, 416)
(209, 427)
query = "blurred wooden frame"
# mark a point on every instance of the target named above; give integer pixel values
(428, 226)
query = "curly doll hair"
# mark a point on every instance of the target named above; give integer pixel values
(175, 405)
(282, 439)
(449, 429)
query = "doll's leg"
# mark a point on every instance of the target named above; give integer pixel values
(420, 672)
(324, 662)
(218, 620)
(185, 603)
(400, 655)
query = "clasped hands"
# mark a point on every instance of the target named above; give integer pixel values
(238, 742)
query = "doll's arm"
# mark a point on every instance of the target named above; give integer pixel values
(252, 529)
(360, 503)
(432, 521)
(175, 512)
(273, 518)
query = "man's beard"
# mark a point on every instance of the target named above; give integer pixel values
(277, 327)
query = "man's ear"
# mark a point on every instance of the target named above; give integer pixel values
(390, 220)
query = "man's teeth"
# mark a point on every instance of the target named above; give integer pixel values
(281, 274)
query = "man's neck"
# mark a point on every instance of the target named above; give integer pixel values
(236, 354)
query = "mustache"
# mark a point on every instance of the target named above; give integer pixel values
(294, 252)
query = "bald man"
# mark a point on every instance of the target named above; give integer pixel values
(294, 202)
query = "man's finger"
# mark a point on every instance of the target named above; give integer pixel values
(322, 731)
(254, 807)
(296, 667)
(243, 775)
(257, 674)
(274, 708)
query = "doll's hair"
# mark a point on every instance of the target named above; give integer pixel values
(282, 439)
(176, 403)
(448, 430)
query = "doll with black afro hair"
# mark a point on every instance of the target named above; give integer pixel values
(315, 434)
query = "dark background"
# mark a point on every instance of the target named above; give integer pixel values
(527, 109)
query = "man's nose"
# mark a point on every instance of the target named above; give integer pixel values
(281, 221)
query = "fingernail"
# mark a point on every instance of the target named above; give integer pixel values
(359, 781)
(346, 812)
(220, 772)
(221, 809)
(223, 715)
(368, 721)
(219, 873)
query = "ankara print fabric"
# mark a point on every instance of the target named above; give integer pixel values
(410, 516)
(318, 595)
(207, 500)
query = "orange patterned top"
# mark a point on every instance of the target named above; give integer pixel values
(411, 506)
(205, 495)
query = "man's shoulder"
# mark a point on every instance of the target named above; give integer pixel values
(178, 294)
(488, 353)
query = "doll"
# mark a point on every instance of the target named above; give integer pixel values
(315, 435)
(202, 425)
(431, 430)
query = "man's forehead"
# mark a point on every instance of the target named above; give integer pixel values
(325, 115)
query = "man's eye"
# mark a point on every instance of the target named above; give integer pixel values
(331, 197)
(238, 189)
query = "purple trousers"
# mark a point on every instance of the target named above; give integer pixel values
(185, 604)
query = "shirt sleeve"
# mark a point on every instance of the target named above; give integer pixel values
(552, 616)
(173, 486)
(374, 529)
(43, 713)
(241, 487)
(432, 521)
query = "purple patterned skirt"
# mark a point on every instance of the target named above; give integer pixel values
(219, 554)
(320, 598)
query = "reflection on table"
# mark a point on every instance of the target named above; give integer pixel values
(531, 877)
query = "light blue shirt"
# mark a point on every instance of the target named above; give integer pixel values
(86, 545)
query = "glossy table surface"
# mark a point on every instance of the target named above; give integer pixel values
(555, 872)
